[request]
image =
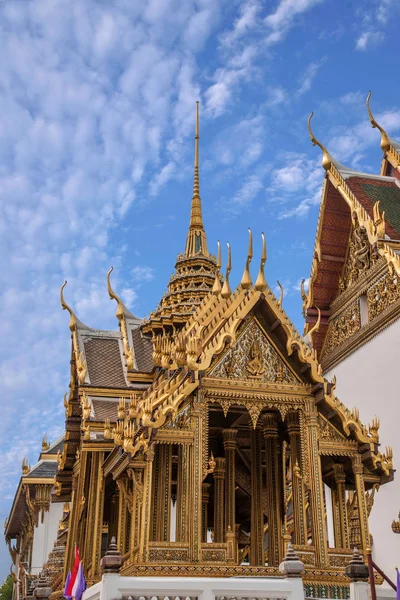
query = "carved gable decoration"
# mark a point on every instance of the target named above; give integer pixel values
(360, 257)
(253, 357)
(328, 432)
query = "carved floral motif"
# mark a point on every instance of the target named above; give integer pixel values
(383, 294)
(360, 257)
(343, 327)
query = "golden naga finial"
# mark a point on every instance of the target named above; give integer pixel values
(281, 294)
(217, 282)
(385, 142)
(314, 329)
(261, 283)
(113, 296)
(65, 306)
(304, 296)
(45, 443)
(120, 314)
(25, 466)
(226, 290)
(246, 282)
(326, 157)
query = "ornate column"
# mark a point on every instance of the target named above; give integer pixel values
(205, 496)
(358, 471)
(219, 484)
(136, 474)
(340, 508)
(77, 506)
(98, 517)
(122, 509)
(257, 517)
(273, 488)
(182, 494)
(162, 479)
(230, 480)
(147, 505)
(299, 500)
(315, 482)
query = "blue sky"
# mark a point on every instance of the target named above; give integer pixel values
(96, 151)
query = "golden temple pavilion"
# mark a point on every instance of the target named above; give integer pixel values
(204, 438)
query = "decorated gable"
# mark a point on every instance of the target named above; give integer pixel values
(253, 357)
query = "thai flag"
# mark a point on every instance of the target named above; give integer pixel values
(75, 583)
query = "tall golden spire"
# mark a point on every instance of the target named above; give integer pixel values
(196, 242)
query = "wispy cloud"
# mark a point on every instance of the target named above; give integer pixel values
(309, 75)
(374, 23)
(284, 18)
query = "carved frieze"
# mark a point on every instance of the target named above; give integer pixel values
(253, 357)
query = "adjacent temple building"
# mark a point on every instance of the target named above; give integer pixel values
(209, 436)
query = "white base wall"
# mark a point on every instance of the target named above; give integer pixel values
(44, 536)
(369, 380)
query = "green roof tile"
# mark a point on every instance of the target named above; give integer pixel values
(389, 198)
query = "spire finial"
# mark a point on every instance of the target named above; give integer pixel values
(196, 182)
(246, 277)
(196, 242)
(326, 157)
(385, 142)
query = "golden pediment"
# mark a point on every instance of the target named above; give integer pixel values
(253, 357)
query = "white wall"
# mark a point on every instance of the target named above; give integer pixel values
(44, 536)
(369, 380)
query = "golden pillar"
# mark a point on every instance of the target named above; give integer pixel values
(257, 514)
(358, 471)
(219, 484)
(147, 505)
(136, 474)
(122, 517)
(316, 496)
(78, 502)
(94, 516)
(340, 508)
(273, 489)
(182, 494)
(230, 479)
(299, 500)
(205, 496)
(162, 480)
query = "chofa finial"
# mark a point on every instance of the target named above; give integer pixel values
(326, 157)
(261, 283)
(65, 306)
(226, 289)
(246, 282)
(385, 142)
(217, 282)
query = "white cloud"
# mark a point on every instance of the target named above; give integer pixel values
(368, 39)
(142, 274)
(373, 24)
(309, 75)
(280, 21)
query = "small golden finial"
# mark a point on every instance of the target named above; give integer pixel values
(72, 321)
(45, 443)
(217, 282)
(261, 283)
(226, 290)
(281, 294)
(385, 142)
(246, 282)
(25, 466)
(326, 157)
(315, 327)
